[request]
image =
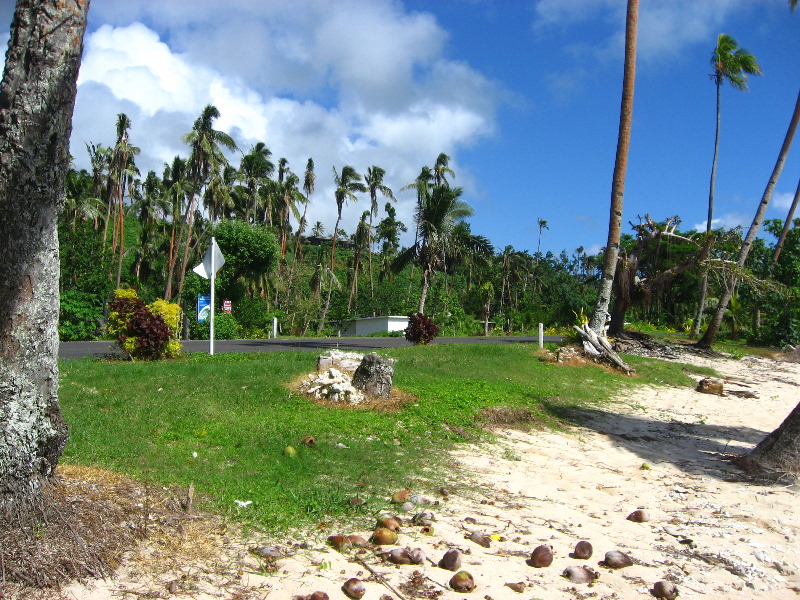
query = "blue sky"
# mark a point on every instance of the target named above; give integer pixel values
(523, 95)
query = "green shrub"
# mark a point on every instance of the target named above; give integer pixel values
(225, 328)
(79, 317)
(141, 332)
(421, 329)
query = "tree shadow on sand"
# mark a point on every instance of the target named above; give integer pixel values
(695, 448)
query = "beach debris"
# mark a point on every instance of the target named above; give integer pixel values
(451, 560)
(665, 589)
(426, 530)
(268, 553)
(290, 451)
(462, 582)
(518, 587)
(542, 556)
(423, 518)
(309, 441)
(343, 542)
(711, 385)
(354, 588)
(356, 501)
(583, 550)
(406, 556)
(616, 559)
(639, 516)
(580, 574)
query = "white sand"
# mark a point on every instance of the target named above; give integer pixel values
(660, 449)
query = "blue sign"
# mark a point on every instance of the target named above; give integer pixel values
(203, 307)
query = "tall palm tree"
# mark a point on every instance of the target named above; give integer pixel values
(374, 181)
(786, 225)
(309, 179)
(600, 313)
(731, 64)
(347, 184)
(206, 156)
(176, 192)
(441, 169)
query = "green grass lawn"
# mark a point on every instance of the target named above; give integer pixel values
(222, 423)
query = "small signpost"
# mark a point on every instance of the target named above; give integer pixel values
(212, 262)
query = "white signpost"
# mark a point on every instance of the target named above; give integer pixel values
(212, 262)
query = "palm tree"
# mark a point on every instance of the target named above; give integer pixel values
(256, 168)
(121, 172)
(347, 184)
(600, 313)
(542, 226)
(176, 191)
(205, 158)
(374, 181)
(308, 188)
(440, 211)
(731, 64)
(361, 240)
(441, 169)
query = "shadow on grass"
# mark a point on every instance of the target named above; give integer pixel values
(695, 448)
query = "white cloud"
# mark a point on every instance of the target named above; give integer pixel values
(727, 221)
(782, 201)
(351, 83)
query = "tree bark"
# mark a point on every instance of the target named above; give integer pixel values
(787, 224)
(37, 96)
(716, 321)
(600, 313)
(779, 452)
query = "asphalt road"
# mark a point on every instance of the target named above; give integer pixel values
(81, 349)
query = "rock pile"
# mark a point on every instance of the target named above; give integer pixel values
(332, 385)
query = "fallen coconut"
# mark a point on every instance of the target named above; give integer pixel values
(617, 560)
(393, 523)
(583, 550)
(665, 589)
(399, 556)
(542, 556)
(639, 516)
(354, 588)
(580, 574)
(401, 496)
(268, 553)
(518, 587)
(451, 560)
(384, 537)
(462, 582)
(481, 539)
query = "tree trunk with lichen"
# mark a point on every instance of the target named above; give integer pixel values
(37, 96)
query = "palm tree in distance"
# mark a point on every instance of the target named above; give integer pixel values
(205, 157)
(731, 64)
(374, 181)
(542, 225)
(256, 167)
(347, 184)
(437, 216)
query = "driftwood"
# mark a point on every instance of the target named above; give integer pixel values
(599, 347)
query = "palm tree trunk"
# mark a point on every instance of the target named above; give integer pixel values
(335, 236)
(600, 313)
(713, 327)
(424, 293)
(704, 279)
(186, 248)
(786, 225)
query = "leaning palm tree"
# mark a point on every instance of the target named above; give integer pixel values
(731, 64)
(347, 184)
(600, 313)
(713, 327)
(374, 181)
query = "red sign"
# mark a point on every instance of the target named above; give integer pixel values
(227, 305)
